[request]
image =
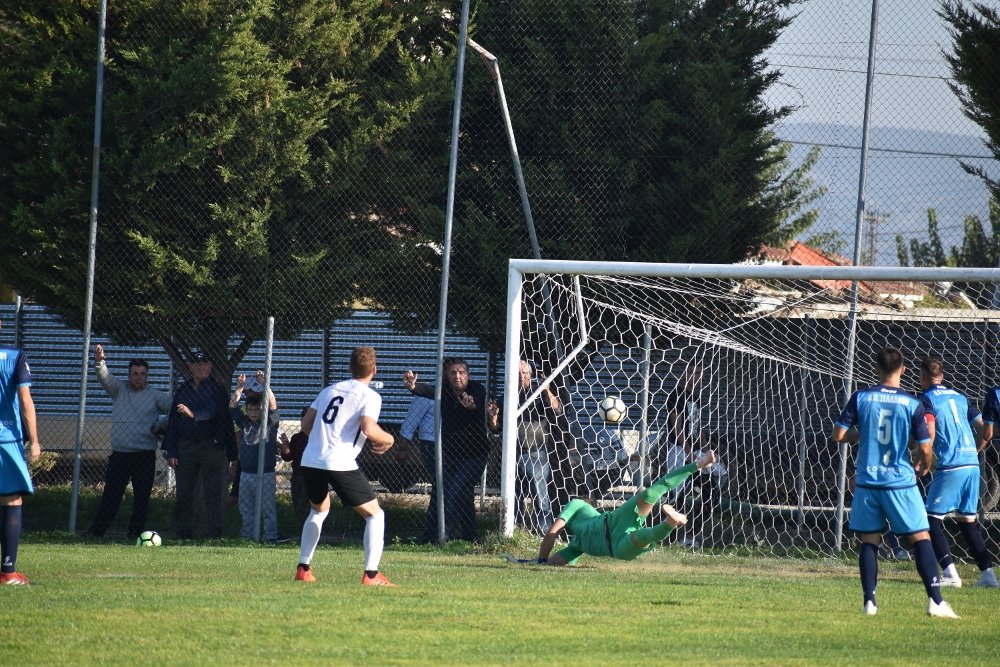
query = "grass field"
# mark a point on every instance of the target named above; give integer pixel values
(237, 604)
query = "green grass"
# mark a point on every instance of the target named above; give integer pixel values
(236, 603)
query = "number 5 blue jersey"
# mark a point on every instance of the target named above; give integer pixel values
(954, 441)
(886, 417)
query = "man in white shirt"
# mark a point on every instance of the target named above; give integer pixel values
(347, 411)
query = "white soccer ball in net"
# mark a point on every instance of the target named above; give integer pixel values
(612, 409)
(148, 538)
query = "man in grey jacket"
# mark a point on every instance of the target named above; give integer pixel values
(135, 408)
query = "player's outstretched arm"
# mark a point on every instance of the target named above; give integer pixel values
(381, 439)
(545, 550)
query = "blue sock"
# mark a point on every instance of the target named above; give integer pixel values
(10, 532)
(927, 568)
(868, 564)
(939, 540)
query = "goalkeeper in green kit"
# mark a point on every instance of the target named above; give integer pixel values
(621, 533)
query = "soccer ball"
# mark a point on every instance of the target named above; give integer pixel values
(612, 409)
(149, 538)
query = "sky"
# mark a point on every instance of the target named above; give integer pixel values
(918, 136)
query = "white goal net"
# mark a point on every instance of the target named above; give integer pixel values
(753, 361)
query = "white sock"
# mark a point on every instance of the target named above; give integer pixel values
(374, 534)
(951, 572)
(310, 535)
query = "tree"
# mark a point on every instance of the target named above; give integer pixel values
(239, 157)
(923, 253)
(707, 189)
(642, 133)
(975, 70)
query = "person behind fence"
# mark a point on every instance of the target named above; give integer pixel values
(684, 440)
(290, 450)
(603, 457)
(254, 387)
(533, 445)
(135, 409)
(17, 429)
(954, 487)
(466, 420)
(200, 444)
(417, 430)
(885, 419)
(621, 533)
(249, 425)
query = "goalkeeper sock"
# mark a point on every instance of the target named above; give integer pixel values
(923, 554)
(667, 483)
(868, 565)
(310, 535)
(649, 534)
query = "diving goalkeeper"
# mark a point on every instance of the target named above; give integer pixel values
(621, 533)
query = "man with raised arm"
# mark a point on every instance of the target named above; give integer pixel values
(887, 420)
(347, 413)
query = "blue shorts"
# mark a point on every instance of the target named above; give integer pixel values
(903, 508)
(954, 490)
(14, 476)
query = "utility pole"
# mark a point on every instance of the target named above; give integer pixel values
(873, 219)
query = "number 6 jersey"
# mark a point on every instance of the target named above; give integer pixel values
(336, 438)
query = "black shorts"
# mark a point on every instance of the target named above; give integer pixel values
(351, 486)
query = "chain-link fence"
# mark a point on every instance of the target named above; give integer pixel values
(290, 160)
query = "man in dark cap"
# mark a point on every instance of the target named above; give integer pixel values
(200, 440)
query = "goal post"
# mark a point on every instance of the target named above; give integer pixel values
(752, 360)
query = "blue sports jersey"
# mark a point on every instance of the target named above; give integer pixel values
(991, 406)
(886, 417)
(954, 441)
(14, 373)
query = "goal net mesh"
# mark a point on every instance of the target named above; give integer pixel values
(756, 369)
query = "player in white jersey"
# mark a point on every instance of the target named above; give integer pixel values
(338, 422)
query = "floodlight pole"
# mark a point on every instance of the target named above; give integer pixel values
(852, 333)
(449, 217)
(95, 177)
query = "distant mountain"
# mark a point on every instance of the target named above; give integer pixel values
(909, 171)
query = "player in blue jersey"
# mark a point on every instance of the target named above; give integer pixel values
(954, 487)
(17, 420)
(887, 420)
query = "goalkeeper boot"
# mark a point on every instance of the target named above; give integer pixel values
(942, 610)
(378, 580)
(869, 609)
(673, 517)
(950, 582)
(304, 574)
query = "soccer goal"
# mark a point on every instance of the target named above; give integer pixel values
(753, 361)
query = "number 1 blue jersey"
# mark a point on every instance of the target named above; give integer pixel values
(886, 417)
(954, 441)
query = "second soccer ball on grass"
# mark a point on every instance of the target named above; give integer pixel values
(611, 409)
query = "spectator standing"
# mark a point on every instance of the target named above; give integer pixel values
(887, 419)
(291, 450)
(418, 429)
(200, 439)
(533, 443)
(685, 441)
(249, 425)
(954, 486)
(466, 419)
(135, 409)
(347, 410)
(17, 428)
